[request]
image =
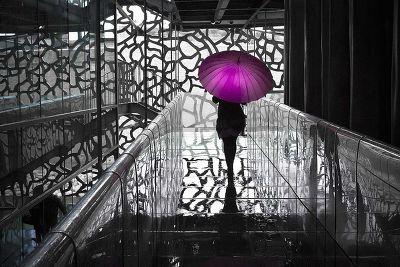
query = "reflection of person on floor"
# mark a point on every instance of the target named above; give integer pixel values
(230, 123)
(44, 215)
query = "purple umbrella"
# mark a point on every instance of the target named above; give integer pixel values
(235, 76)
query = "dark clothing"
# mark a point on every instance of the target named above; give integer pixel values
(44, 216)
(230, 123)
(230, 153)
(231, 119)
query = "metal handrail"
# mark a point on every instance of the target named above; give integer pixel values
(62, 238)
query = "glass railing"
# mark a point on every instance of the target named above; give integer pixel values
(337, 193)
(120, 220)
(339, 188)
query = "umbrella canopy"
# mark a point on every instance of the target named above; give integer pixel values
(235, 76)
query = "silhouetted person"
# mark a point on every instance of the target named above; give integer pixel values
(230, 123)
(44, 215)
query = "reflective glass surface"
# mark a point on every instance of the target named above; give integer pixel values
(50, 108)
(341, 187)
(307, 193)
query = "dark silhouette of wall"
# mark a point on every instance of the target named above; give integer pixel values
(342, 63)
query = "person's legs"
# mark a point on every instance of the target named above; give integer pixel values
(230, 195)
(230, 152)
(230, 198)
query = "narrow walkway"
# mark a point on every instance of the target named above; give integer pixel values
(204, 181)
(251, 237)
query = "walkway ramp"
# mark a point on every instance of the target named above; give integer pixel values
(161, 202)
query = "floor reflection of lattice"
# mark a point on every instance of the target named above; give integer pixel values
(206, 233)
(204, 182)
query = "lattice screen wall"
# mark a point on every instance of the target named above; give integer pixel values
(176, 56)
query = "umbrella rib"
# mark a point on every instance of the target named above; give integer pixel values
(256, 81)
(245, 84)
(210, 72)
(210, 76)
(219, 81)
(259, 72)
(256, 72)
(215, 67)
(215, 73)
(260, 76)
(219, 78)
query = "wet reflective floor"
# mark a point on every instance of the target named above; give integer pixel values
(208, 235)
(211, 236)
(204, 182)
(261, 231)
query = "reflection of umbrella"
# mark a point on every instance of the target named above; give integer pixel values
(235, 76)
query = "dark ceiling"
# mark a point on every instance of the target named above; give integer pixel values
(228, 13)
(24, 16)
(194, 14)
(28, 15)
